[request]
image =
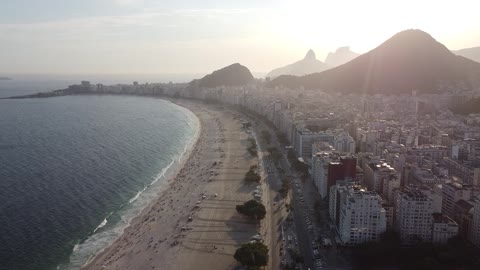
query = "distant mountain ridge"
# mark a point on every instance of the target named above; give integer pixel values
(470, 53)
(5, 79)
(341, 56)
(308, 65)
(410, 60)
(233, 75)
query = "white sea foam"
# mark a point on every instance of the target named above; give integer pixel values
(101, 225)
(104, 222)
(85, 252)
(137, 195)
(162, 173)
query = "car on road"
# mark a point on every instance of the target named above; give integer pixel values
(318, 264)
(316, 254)
(257, 237)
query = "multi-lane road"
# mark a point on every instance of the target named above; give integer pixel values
(302, 199)
(276, 203)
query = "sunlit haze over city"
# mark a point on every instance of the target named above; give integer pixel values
(239, 135)
(186, 36)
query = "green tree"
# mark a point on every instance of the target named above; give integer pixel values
(252, 255)
(285, 187)
(266, 136)
(274, 154)
(291, 155)
(282, 138)
(252, 175)
(252, 149)
(313, 128)
(252, 209)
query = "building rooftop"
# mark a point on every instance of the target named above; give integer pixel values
(464, 204)
(414, 195)
(381, 167)
(458, 186)
(441, 218)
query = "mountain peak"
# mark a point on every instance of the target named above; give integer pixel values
(343, 49)
(310, 55)
(308, 65)
(470, 53)
(341, 56)
(232, 75)
(415, 33)
(411, 59)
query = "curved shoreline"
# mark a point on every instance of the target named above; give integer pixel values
(193, 224)
(170, 177)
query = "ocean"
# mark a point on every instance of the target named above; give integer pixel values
(75, 170)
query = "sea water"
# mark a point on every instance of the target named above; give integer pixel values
(75, 170)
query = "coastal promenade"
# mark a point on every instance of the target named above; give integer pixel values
(194, 224)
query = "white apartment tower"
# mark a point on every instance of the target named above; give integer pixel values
(320, 172)
(361, 217)
(444, 228)
(375, 174)
(304, 140)
(343, 142)
(452, 193)
(413, 219)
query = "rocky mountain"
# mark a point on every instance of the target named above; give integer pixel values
(307, 65)
(341, 56)
(233, 75)
(410, 60)
(470, 53)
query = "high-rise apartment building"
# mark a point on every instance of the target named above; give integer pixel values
(413, 216)
(361, 217)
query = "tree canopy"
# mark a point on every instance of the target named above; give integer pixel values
(285, 187)
(282, 138)
(252, 255)
(266, 136)
(252, 209)
(252, 175)
(252, 149)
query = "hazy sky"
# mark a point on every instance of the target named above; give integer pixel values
(187, 36)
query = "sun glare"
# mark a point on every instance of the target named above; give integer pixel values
(365, 24)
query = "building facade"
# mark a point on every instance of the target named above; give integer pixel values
(444, 228)
(413, 216)
(343, 142)
(361, 217)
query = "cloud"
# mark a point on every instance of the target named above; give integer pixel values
(91, 24)
(175, 25)
(218, 11)
(127, 2)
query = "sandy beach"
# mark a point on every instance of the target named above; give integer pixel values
(193, 224)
